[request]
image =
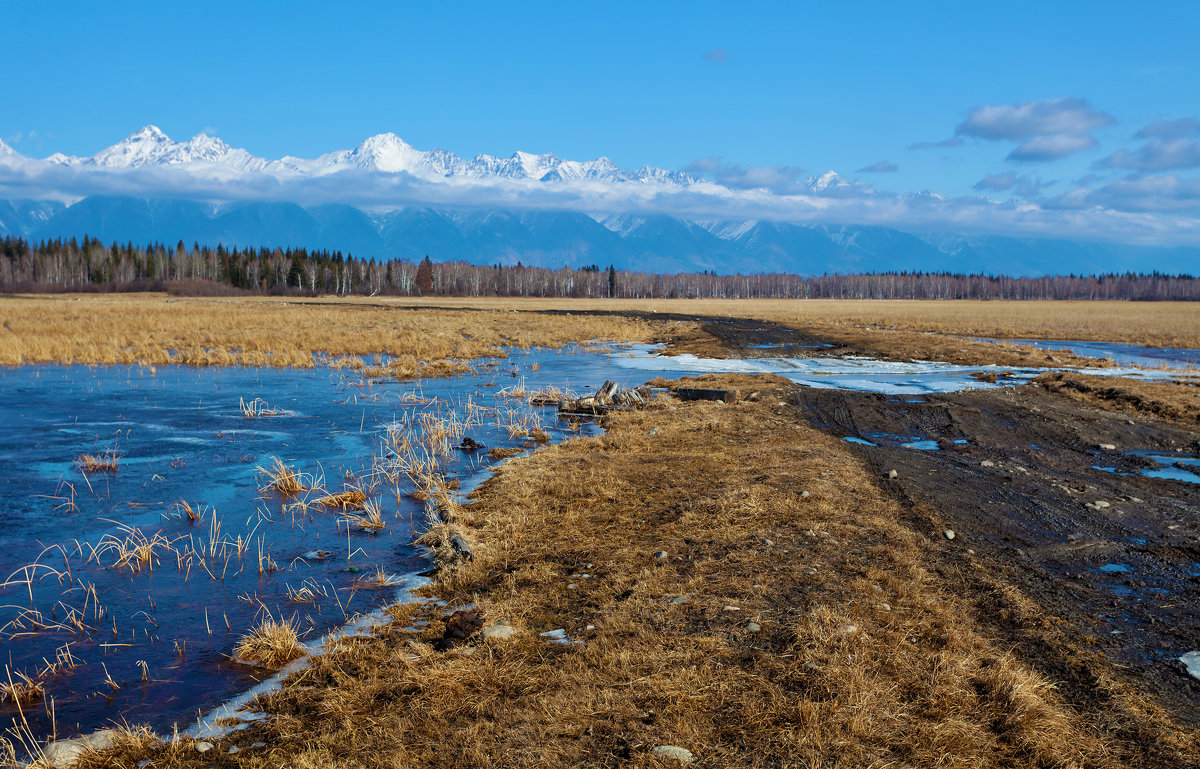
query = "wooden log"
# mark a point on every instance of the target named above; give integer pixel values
(701, 394)
(461, 547)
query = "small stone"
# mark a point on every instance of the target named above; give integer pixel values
(660, 554)
(733, 608)
(885, 606)
(768, 542)
(893, 474)
(805, 494)
(781, 403)
(682, 755)
(590, 627)
(679, 599)
(753, 627)
(1107, 447)
(258, 744)
(809, 570)
(987, 463)
(572, 586)
(234, 749)
(652, 431)
(203, 747)
(948, 533)
(499, 632)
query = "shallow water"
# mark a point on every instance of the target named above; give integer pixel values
(861, 374)
(180, 435)
(1123, 354)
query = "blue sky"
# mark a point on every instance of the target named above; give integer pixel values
(1030, 101)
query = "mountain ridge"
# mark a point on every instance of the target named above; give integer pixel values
(557, 238)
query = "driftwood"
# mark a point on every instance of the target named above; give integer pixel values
(700, 394)
(461, 547)
(608, 398)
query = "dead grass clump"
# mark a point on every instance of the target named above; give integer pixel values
(281, 479)
(108, 462)
(350, 499)
(499, 453)
(257, 408)
(271, 644)
(23, 691)
(371, 519)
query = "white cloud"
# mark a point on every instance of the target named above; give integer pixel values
(879, 167)
(1162, 210)
(1047, 129)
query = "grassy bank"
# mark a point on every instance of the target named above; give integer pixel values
(728, 581)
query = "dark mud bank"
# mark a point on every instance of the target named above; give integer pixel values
(1049, 493)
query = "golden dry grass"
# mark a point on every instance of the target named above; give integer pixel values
(281, 479)
(865, 654)
(154, 329)
(108, 462)
(1163, 324)
(271, 644)
(348, 499)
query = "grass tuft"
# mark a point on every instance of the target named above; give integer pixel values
(273, 643)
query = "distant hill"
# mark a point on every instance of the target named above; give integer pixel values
(547, 238)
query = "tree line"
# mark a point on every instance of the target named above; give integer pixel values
(70, 265)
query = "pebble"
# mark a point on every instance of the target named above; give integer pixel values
(987, 463)
(805, 494)
(1107, 447)
(64, 753)
(809, 570)
(893, 474)
(203, 747)
(572, 586)
(234, 749)
(733, 608)
(682, 755)
(499, 632)
(768, 542)
(652, 431)
(660, 554)
(753, 627)
(679, 599)
(948, 534)
(885, 606)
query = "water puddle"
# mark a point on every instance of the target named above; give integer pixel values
(1176, 467)
(922, 445)
(861, 374)
(860, 441)
(123, 591)
(1123, 354)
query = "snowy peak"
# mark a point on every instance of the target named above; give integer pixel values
(148, 145)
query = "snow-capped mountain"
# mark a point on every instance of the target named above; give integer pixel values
(149, 146)
(384, 153)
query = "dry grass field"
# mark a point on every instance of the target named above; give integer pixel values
(723, 579)
(434, 337)
(151, 329)
(1159, 324)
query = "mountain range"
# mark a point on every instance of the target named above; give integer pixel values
(538, 234)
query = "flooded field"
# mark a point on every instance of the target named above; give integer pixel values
(153, 517)
(128, 582)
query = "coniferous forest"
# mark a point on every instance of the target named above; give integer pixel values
(90, 265)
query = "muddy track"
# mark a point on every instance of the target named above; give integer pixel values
(1020, 489)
